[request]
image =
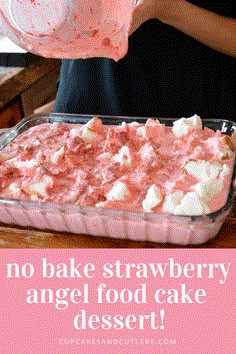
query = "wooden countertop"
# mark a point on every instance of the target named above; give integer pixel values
(13, 81)
(19, 237)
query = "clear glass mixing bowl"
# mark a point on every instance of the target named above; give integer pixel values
(68, 28)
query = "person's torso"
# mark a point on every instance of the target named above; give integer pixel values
(164, 74)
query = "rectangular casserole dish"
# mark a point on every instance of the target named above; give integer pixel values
(121, 224)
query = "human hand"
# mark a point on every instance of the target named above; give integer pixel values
(141, 14)
(150, 9)
(213, 30)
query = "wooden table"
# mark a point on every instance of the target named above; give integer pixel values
(19, 237)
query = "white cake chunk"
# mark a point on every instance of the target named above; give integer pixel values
(183, 125)
(25, 164)
(192, 204)
(55, 157)
(209, 188)
(105, 155)
(141, 131)
(87, 134)
(123, 156)
(202, 169)
(92, 130)
(118, 192)
(172, 200)
(40, 187)
(90, 124)
(152, 199)
(14, 187)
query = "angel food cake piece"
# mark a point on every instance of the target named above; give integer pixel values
(183, 170)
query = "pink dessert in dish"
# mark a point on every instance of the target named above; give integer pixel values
(184, 169)
(144, 167)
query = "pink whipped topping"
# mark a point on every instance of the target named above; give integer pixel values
(182, 170)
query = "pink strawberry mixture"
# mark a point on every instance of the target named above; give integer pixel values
(140, 167)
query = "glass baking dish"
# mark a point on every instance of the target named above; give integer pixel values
(121, 224)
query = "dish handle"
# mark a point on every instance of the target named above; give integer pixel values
(4, 130)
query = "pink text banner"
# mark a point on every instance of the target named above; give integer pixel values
(117, 301)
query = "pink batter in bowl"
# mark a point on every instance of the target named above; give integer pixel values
(68, 28)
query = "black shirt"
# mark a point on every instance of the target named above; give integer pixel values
(164, 74)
